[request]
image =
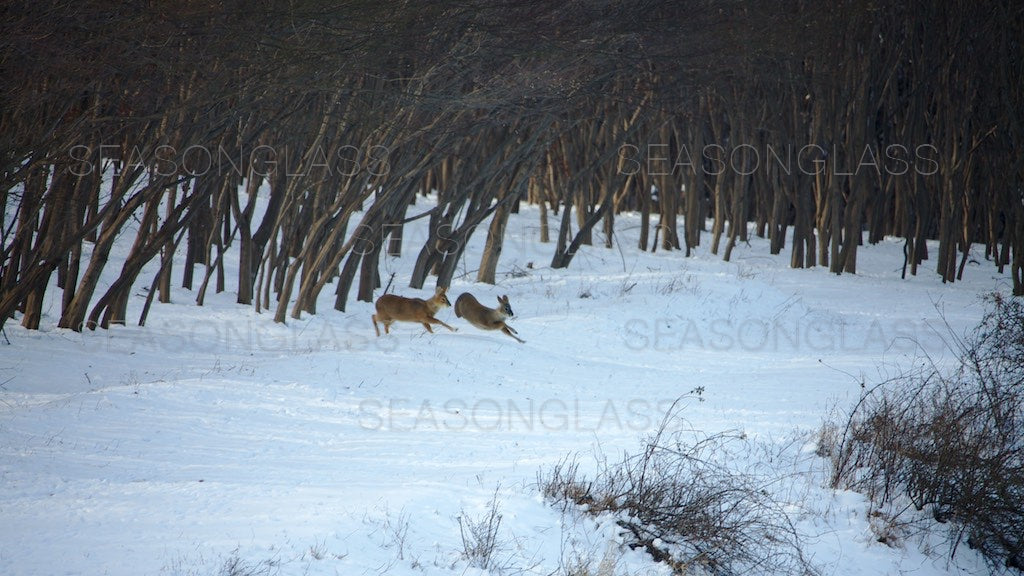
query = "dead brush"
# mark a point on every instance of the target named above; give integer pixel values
(684, 502)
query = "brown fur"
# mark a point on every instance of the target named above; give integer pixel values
(392, 308)
(484, 318)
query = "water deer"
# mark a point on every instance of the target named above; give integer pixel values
(484, 318)
(392, 308)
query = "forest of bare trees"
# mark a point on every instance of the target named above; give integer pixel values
(819, 125)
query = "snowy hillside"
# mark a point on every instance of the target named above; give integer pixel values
(213, 441)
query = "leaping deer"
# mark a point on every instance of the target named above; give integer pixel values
(484, 318)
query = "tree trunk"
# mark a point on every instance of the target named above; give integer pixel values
(493, 246)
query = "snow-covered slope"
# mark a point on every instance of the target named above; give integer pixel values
(214, 439)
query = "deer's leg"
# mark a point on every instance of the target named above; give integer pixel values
(436, 321)
(511, 332)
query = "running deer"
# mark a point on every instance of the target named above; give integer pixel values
(484, 318)
(392, 308)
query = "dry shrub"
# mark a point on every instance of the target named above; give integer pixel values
(685, 501)
(950, 443)
(480, 543)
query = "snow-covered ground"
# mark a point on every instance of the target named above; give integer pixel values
(213, 439)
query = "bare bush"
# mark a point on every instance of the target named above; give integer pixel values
(480, 544)
(948, 443)
(235, 566)
(688, 504)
